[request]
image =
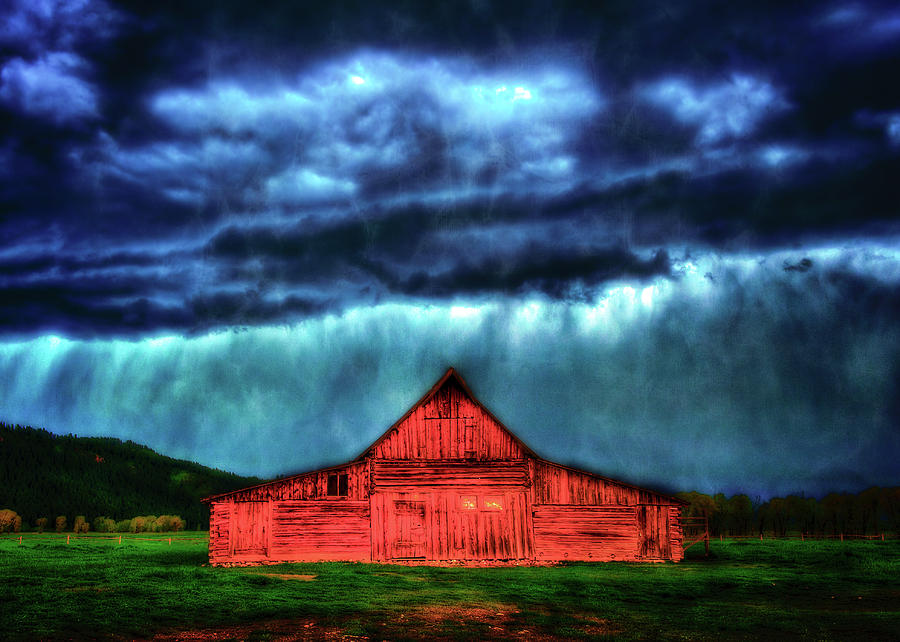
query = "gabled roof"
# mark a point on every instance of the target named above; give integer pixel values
(455, 376)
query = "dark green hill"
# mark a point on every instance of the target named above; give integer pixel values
(45, 475)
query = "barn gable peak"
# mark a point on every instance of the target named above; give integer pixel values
(448, 422)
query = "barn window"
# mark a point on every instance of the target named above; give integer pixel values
(493, 502)
(468, 502)
(337, 485)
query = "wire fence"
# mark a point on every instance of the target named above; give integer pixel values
(809, 536)
(696, 530)
(69, 538)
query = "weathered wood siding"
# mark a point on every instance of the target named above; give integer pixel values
(312, 485)
(449, 425)
(556, 484)
(676, 534)
(567, 524)
(442, 474)
(219, 519)
(659, 529)
(586, 533)
(320, 530)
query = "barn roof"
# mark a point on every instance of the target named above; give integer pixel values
(451, 374)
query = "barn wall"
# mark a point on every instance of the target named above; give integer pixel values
(448, 426)
(585, 533)
(291, 530)
(219, 518)
(555, 484)
(312, 485)
(660, 532)
(676, 535)
(320, 530)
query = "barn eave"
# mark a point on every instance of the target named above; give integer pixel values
(615, 482)
(273, 482)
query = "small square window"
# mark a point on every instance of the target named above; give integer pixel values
(492, 502)
(337, 485)
(468, 502)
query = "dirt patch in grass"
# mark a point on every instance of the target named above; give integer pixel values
(498, 621)
(462, 613)
(425, 622)
(299, 577)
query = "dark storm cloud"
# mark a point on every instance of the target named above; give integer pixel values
(554, 274)
(408, 130)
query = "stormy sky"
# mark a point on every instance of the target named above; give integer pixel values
(659, 240)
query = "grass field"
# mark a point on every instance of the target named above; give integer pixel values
(94, 588)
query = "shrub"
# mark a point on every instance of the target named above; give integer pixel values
(41, 523)
(163, 523)
(137, 525)
(104, 525)
(81, 525)
(123, 526)
(60, 523)
(9, 520)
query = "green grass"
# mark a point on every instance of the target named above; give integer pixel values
(746, 589)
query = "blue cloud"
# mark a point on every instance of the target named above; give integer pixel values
(50, 88)
(719, 111)
(374, 122)
(39, 26)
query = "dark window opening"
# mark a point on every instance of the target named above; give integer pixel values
(337, 485)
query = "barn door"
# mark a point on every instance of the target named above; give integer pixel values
(407, 530)
(653, 528)
(250, 529)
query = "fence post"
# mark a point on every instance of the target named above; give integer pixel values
(67, 539)
(170, 541)
(842, 536)
(801, 536)
(882, 537)
(20, 540)
(120, 540)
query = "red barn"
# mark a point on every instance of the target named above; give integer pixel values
(448, 481)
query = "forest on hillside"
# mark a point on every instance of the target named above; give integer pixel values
(43, 475)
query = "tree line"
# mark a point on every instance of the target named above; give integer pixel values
(47, 475)
(870, 512)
